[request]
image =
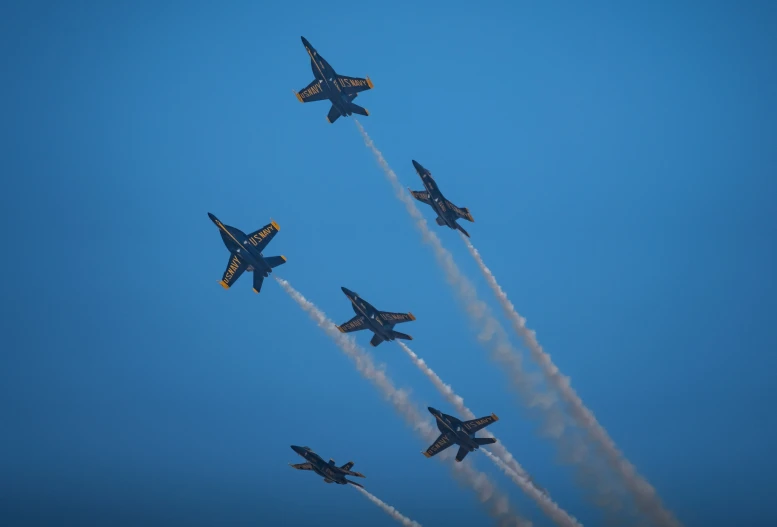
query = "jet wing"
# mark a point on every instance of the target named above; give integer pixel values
(422, 196)
(357, 323)
(302, 466)
(312, 92)
(440, 444)
(396, 318)
(235, 268)
(476, 424)
(263, 236)
(352, 85)
(462, 212)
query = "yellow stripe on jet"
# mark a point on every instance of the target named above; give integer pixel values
(224, 284)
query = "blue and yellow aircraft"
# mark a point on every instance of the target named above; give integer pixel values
(379, 322)
(462, 433)
(339, 89)
(247, 254)
(329, 471)
(447, 212)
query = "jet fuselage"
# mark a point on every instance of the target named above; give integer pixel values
(375, 323)
(436, 197)
(452, 426)
(321, 467)
(238, 243)
(327, 76)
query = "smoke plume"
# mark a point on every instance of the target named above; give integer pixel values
(496, 504)
(388, 509)
(645, 496)
(492, 334)
(505, 459)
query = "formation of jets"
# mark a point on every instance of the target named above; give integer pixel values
(246, 254)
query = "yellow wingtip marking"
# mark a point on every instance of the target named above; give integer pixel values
(412, 317)
(427, 454)
(341, 329)
(495, 417)
(283, 258)
(366, 111)
(369, 82)
(299, 97)
(255, 291)
(277, 227)
(410, 338)
(327, 120)
(224, 284)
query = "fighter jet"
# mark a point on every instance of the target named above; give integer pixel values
(246, 253)
(379, 322)
(459, 432)
(329, 471)
(339, 89)
(447, 212)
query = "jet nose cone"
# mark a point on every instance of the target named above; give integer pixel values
(212, 217)
(416, 164)
(432, 410)
(347, 291)
(297, 449)
(305, 42)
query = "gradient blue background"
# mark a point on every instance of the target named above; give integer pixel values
(620, 165)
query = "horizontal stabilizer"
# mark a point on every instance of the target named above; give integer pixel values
(354, 483)
(275, 261)
(462, 230)
(398, 335)
(333, 115)
(484, 440)
(355, 108)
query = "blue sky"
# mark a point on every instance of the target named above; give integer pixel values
(619, 162)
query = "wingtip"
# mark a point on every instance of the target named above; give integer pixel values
(255, 291)
(340, 329)
(327, 120)
(275, 224)
(426, 454)
(369, 82)
(367, 112)
(283, 258)
(495, 417)
(224, 284)
(299, 97)
(412, 316)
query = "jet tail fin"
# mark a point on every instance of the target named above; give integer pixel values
(484, 440)
(355, 108)
(461, 454)
(275, 261)
(398, 335)
(375, 340)
(258, 280)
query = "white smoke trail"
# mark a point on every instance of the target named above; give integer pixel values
(505, 459)
(644, 494)
(388, 509)
(494, 335)
(497, 504)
